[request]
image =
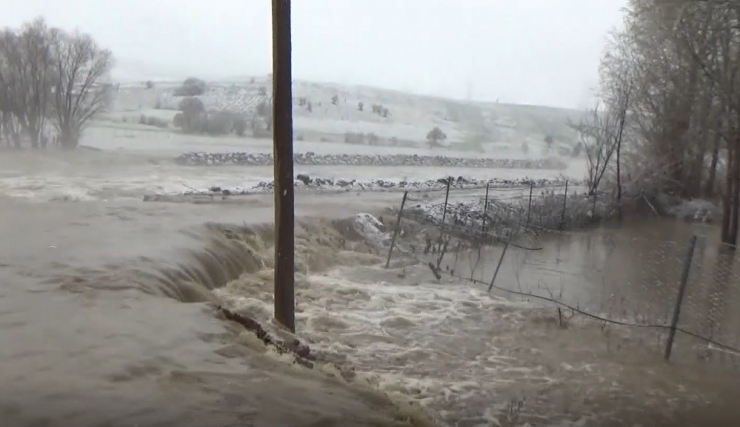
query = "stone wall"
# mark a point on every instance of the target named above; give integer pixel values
(262, 159)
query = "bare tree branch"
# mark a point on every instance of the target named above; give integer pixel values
(81, 89)
(46, 73)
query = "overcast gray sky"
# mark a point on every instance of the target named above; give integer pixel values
(522, 51)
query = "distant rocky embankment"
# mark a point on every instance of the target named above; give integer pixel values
(309, 158)
(304, 182)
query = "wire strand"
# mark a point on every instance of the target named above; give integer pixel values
(586, 313)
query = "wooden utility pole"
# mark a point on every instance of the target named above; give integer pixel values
(282, 137)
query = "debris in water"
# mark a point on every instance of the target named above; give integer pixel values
(301, 351)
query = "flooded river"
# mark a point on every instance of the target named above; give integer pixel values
(107, 315)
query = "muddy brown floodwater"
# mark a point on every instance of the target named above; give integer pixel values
(629, 271)
(107, 318)
(90, 339)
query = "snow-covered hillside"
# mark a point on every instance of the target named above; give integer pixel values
(327, 111)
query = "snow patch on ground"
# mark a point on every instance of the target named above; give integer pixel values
(335, 111)
(304, 182)
(372, 230)
(695, 210)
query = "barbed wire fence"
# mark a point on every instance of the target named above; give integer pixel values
(533, 242)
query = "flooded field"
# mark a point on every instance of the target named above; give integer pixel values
(103, 334)
(628, 271)
(109, 304)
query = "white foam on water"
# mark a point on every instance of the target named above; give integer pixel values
(450, 347)
(434, 343)
(45, 189)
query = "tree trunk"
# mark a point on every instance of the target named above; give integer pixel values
(32, 136)
(68, 139)
(735, 216)
(620, 135)
(8, 127)
(34, 139)
(709, 188)
(14, 135)
(685, 126)
(727, 197)
(696, 167)
(619, 177)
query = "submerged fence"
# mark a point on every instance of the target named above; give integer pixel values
(538, 243)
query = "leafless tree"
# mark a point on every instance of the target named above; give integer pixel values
(617, 88)
(48, 75)
(80, 89)
(38, 41)
(599, 133)
(10, 96)
(26, 75)
(681, 59)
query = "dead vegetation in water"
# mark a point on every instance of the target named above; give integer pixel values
(301, 351)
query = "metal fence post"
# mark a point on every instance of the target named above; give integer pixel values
(679, 299)
(485, 209)
(501, 259)
(398, 227)
(447, 196)
(444, 213)
(529, 207)
(565, 201)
